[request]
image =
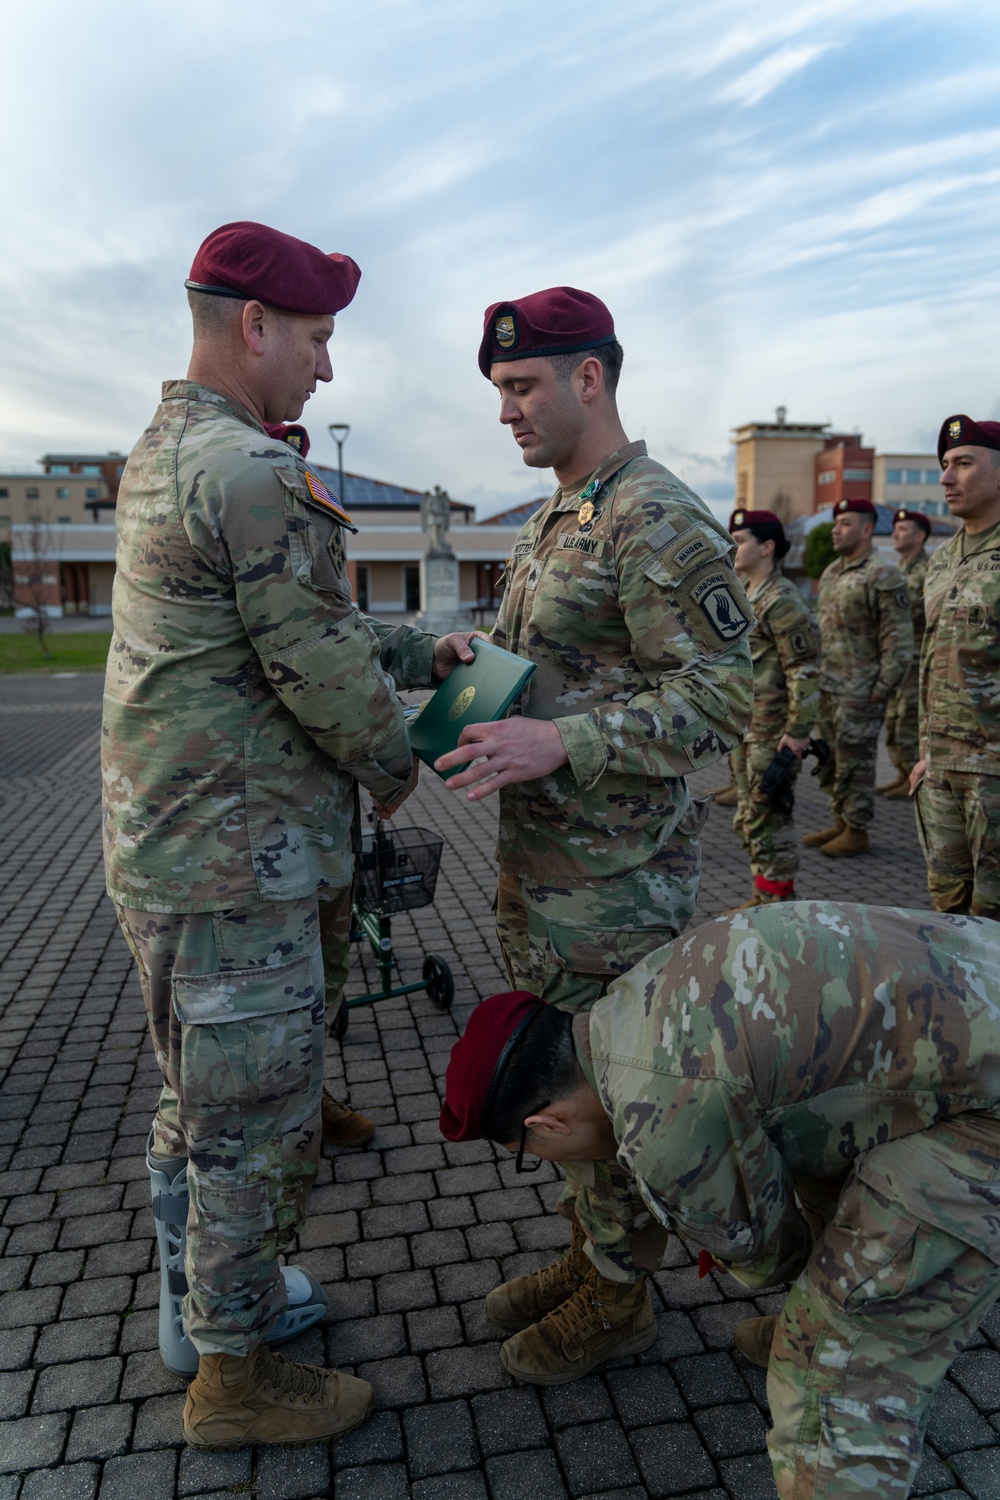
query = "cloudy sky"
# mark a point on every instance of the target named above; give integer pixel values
(782, 201)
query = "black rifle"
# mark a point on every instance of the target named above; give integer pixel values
(776, 782)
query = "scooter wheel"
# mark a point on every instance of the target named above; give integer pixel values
(439, 980)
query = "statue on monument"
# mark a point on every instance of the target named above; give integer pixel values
(440, 609)
(435, 518)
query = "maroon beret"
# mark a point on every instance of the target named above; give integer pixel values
(292, 433)
(961, 431)
(748, 518)
(247, 260)
(858, 507)
(560, 320)
(478, 1059)
(913, 515)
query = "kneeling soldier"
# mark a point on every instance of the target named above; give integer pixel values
(808, 1093)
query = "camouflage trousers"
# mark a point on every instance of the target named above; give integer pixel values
(848, 778)
(335, 941)
(767, 835)
(870, 1327)
(958, 821)
(234, 1001)
(902, 739)
(567, 945)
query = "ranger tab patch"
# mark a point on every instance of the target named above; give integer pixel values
(715, 598)
(322, 496)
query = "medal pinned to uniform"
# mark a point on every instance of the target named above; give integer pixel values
(586, 512)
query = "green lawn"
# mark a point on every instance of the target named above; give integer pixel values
(69, 651)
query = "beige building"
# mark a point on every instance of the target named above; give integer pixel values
(910, 480)
(775, 464)
(60, 526)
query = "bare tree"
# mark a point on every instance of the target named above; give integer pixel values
(6, 577)
(36, 582)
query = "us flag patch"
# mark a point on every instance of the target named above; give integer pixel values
(322, 496)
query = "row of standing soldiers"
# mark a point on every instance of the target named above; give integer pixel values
(914, 647)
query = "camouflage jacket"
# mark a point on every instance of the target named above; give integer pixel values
(865, 628)
(784, 650)
(781, 1045)
(960, 660)
(914, 575)
(245, 694)
(624, 596)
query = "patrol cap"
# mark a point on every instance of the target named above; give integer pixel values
(961, 431)
(245, 260)
(858, 507)
(478, 1060)
(912, 515)
(292, 433)
(560, 320)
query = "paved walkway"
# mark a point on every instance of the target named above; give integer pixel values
(407, 1234)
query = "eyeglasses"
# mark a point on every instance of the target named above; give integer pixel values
(519, 1166)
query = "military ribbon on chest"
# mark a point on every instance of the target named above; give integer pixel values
(586, 512)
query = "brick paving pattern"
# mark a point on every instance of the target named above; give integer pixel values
(407, 1235)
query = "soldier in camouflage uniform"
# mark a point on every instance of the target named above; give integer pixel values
(910, 531)
(785, 653)
(866, 636)
(245, 699)
(806, 1093)
(621, 590)
(958, 775)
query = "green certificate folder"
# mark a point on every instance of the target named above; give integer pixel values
(477, 692)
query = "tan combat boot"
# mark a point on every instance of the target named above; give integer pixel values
(753, 1338)
(849, 842)
(726, 796)
(602, 1320)
(816, 840)
(526, 1300)
(343, 1126)
(902, 779)
(233, 1402)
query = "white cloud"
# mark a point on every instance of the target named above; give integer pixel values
(764, 77)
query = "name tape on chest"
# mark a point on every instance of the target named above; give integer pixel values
(714, 596)
(577, 543)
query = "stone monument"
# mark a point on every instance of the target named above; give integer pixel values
(440, 610)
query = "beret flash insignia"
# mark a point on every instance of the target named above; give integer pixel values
(955, 430)
(739, 518)
(505, 329)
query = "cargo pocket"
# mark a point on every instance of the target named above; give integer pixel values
(874, 1421)
(247, 1035)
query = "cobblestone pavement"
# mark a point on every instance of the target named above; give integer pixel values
(407, 1235)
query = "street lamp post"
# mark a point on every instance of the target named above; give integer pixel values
(339, 431)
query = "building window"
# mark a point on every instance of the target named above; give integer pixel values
(932, 476)
(859, 476)
(65, 520)
(91, 469)
(31, 493)
(411, 586)
(93, 493)
(362, 587)
(741, 487)
(826, 476)
(4, 520)
(893, 476)
(58, 468)
(4, 493)
(63, 492)
(914, 476)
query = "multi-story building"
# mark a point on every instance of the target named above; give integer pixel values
(912, 480)
(843, 471)
(776, 464)
(60, 524)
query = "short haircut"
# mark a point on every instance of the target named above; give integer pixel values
(542, 1067)
(609, 355)
(213, 315)
(766, 531)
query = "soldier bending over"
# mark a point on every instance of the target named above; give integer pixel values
(809, 1093)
